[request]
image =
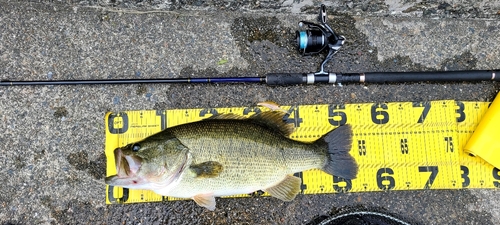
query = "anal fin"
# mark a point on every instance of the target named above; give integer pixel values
(287, 189)
(205, 200)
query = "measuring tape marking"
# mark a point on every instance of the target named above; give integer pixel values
(398, 146)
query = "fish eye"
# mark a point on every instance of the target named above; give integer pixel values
(136, 147)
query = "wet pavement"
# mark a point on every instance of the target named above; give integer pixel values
(52, 161)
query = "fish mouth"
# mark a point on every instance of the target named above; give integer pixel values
(126, 165)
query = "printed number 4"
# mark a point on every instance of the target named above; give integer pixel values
(294, 112)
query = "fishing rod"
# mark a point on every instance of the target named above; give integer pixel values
(296, 78)
(311, 39)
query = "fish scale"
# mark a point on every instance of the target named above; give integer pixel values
(230, 155)
(245, 150)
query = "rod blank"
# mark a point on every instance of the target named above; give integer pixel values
(297, 78)
(137, 81)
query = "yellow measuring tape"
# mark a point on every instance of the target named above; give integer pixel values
(398, 145)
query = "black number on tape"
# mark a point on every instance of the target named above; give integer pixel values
(248, 110)
(336, 115)
(496, 175)
(449, 144)
(362, 147)
(296, 120)
(111, 196)
(256, 193)
(339, 180)
(384, 179)
(163, 118)
(460, 111)
(380, 116)
(465, 176)
(427, 108)
(404, 146)
(212, 111)
(434, 171)
(302, 185)
(118, 123)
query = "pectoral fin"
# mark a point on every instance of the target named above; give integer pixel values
(287, 189)
(205, 200)
(209, 169)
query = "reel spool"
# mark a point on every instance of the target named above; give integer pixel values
(315, 38)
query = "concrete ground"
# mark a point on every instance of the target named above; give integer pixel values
(52, 161)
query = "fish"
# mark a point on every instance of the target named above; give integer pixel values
(228, 155)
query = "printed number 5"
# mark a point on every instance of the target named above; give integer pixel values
(336, 116)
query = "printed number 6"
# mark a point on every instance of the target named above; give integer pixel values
(381, 116)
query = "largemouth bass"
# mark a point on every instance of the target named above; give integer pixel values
(229, 155)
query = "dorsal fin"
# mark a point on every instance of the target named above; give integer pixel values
(273, 106)
(226, 116)
(273, 120)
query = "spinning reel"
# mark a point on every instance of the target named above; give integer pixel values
(311, 39)
(315, 38)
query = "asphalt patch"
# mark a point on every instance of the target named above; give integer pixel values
(263, 40)
(465, 61)
(7, 193)
(74, 212)
(60, 48)
(13, 222)
(95, 168)
(60, 112)
(141, 89)
(79, 160)
(19, 162)
(257, 29)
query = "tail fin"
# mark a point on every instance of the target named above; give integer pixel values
(340, 163)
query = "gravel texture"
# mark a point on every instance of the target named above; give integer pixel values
(52, 160)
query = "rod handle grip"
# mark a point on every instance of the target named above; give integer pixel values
(285, 78)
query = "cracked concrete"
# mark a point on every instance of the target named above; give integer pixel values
(435, 39)
(51, 157)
